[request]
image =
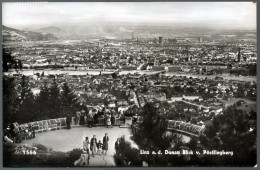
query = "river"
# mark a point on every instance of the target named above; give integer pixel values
(30, 72)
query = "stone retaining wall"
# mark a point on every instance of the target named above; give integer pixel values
(60, 123)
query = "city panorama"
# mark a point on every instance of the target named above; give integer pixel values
(127, 84)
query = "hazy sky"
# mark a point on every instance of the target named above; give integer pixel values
(211, 14)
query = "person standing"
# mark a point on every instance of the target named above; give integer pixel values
(86, 145)
(93, 145)
(95, 117)
(105, 143)
(68, 121)
(33, 131)
(117, 144)
(99, 147)
(86, 119)
(81, 120)
(108, 119)
(113, 119)
(78, 114)
(90, 119)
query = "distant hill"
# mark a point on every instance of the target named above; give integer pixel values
(11, 34)
(52, 30)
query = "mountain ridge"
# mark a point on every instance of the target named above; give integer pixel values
(12, 34)
(51, 29)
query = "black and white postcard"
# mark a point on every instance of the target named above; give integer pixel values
(129, 84)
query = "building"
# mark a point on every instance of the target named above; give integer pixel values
(214, 67)
(174, 68)
(160, 40)
(238, 55)
(200, 39)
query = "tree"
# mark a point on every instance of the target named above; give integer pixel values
(127, 155)
(231, 132)
(26, 102)
(152, 135)
(10, 95)
(234, 130)
(69, 100)
(55, 100)
(43, 104)
(10, 62)
(10, 101)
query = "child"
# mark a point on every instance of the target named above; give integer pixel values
(99, 147)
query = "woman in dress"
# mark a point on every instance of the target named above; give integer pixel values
(77, 118)
(105, 143)
(90, 118)
(108, 120)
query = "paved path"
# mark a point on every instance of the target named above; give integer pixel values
(102, 160)
(66, 140)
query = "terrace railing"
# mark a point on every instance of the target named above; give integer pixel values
(187, 128)
(60, 123)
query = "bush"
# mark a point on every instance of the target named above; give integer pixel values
(41, 148)
(127, 155)
(8, 152)
(45, 158)
(74, 155)
(119, 160)
(26, 161)
(58, 159)
(13, 157)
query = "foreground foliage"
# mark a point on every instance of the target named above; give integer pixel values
(45, 157)
(234, 130)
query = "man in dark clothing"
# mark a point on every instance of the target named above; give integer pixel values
(113, 120)
(117, 144)
(68, 121)
(95, 117)
(93, 145)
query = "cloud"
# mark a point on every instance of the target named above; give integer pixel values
(50, 13)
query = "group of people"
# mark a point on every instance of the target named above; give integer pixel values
(91, 119)
(14, 133)
(96, 146)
